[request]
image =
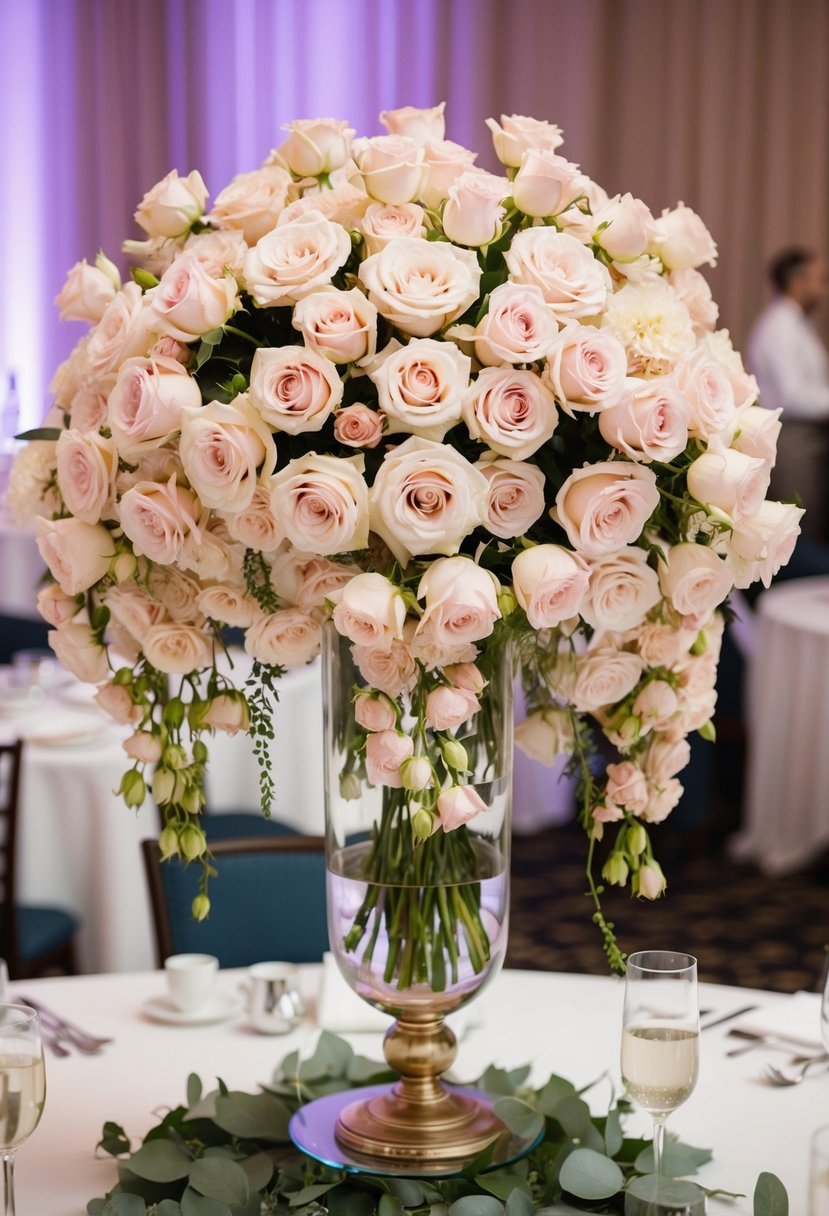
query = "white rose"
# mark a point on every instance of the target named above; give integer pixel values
(80, 652)
(86, 468)
(650, 422)
(256, 527)
(623, 227)
(343, 204)
(664, 645)
(665, 757)
(315, 146)
(694, 579)
(518, 326)
(189, 301)
(293, 389)
(158, 518)
(743, 386)
(392, 167)
(572, 281)
(545, 734)
(295, 258)
(217, 252)
(652, 324)
(252, 202)
(546, 184)
(339, 325)
(682, 240)
(586, 368)
(228, 605)
(603, 507)
(371, 612)
(383, 222)
(550, 584)
(426, 498)
(222, 446)
(321, 503)
(695, 294)
(145, 406)
(125, 329)
(510, 410)
(321, 580)
(516, 496)
(421, 386)
(757, 432)
(623, 589)
(516, 134)
(761, 544)
(708, 391)
(461, 601)
(173, 205)
(32, 490)
(604, 677)
(177, 649)
(86, 293)
(474, 210)
(729, 482)
(420, 286)
(421, 125)
(78, 554)
(286, 638)
(656, 705)
(446, 161)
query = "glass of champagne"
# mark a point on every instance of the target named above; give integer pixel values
(660, 1035)
(22, 1087)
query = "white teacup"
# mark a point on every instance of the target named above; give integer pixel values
(274, 1005)
(191, 979)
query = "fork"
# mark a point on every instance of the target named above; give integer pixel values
(778, 1077)
(59, 1028)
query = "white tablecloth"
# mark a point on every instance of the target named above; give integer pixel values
(787, 787)
(570, 1024)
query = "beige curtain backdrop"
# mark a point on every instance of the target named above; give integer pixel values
(721, 103)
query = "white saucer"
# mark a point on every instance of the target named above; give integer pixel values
(219, 1008)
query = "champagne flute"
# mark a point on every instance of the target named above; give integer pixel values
(22, 1087)
(660, 1035)
(824, 1005)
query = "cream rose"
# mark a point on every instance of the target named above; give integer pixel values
(392, 168)
(321, 503)
(518, 326)
(604, 677)
(458, 805)
(623, 228)
(652, 324)
(176, 591)
(86, 468)
(461, 601)
(31, 489)
(719, 348)
(315, 146)
(603, 507)
(572, 281)
(474, 208)
(78, 554)
(623, 589)
(219, 252)
(545, 734)
(760, 545)
(546, 184)
(177, 649)
(144, 746)
(190, 301)
(517, 134)
(663, 645)
(650, 422)
(295, 258)
(256, 527)
(421, 386)
(229, 605)
(627, 787)
(586, 369)
(343, 204)
(86, 293)
(321, 580)
(448, 708)
(694, 579)
(357, 426)
(730, 482)
(88, 409)
(510, 410)
(681, 239)
(550, 584)
(426, 498)
(173, 205)
(370, 612)
(420, 286)
(694, 292)
(708, 391)
(158, 518)
(286, 638)
(125, 329)
(339, 325)
(385, 752)
(134, 610)
(222, 446)
(293, 389)
(656, 705)
(80, 652)
(383, 222)
(144, 407)
(374, 711)
(516, 496)
(446, 161)
(421, 125)
(665, 757)
(391, 670)
(253, 202)
(758, 430)
(56, 607)
(115, 700)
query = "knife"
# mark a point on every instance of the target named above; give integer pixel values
(727, 1017)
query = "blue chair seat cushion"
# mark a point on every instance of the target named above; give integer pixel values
(41, 930)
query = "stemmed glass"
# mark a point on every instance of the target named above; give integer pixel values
(660, 1035)
(824, 1005)
(22, 1087)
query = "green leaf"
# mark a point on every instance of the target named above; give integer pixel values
(552, 1093)
(40, 432)
(114, 1140)
(213, 336)
(678, 1159)
(205, 1108)
(168, 1207)
(519, 1117)
(194, 1204)
(477, 1205)
(499, 1081)
(204, 353)
(259, 1170)
(253, 1116)
(309, 1193)
(220, 1178)
(410, 1193)
(125, 1204)
(613, 1138)
(501, 1184)
(330, 1059)
(95, 1207)
(345, 1201)
(390, 1205)
(362, 1071)
(590, 1175)
(288, 1067)
(143, 278)
(519, 1203)
(160, 1161)
(770, 1197)
(194, 1089)
(574, 1116)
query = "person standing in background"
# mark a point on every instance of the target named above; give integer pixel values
(791, 364)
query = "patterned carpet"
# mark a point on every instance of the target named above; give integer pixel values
(743, 927)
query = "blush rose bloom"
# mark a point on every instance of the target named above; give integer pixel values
(421, 125)
(385, 752)
(315, 146)
(78, 554)
(319, 580)
(604, 676)
(391, 670)
(286, 638)
(458, 805)
(664, 645)
(682, 240)
(758, 430)
(86, 468)
(426, 498)
(127, 328)
(694, 579)
(374, 711)
(383, 222)
(603, 507)
(709, 394)
(446, 162)
(321, 503)
(357, 426)
(158, 518)
(656, 705)
(461, 601)
(760, 545)
(627, 786)
(31, 489)
(56, 607)
(222, 446)
(293, 389)
(173, 205)
(572, 281)
(229, 605)
(730, 482)
(144, 407)
(295, 258)
(623, 589)
(135, 610)
(518, 326)
(190, 301)
(650, 422)
(695, 294)
(144, 746)
(510, 410)
(339, 325)
(550, 584)
(545, 734)
(448, 708)
(586, 369)
(176, 591)
(177, 649)
(517, 134)
(256, 527)
(664, 757)
(86, 293)
(420, 286)
(115, 700)
(80, 652)
(392, 168)
(546, 184)
(474, 209)
(516, 496)
(420, 386)
(623, 228)
(252, 203)
(370, 612)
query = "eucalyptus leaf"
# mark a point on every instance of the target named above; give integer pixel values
(253, 1116)
(501, 1184)
(114, 1140)
(194, 1089)
(309, 1193)
(390, 1205)
(344, 1201)
(330, 1059)
(678, 1159)
(477, 1205)
(770, 1198)
(554, 1092)
(590, 1175)
(613, 1138)
(519, 1203)
(220, 1178)
(259, 1170)
(410, 1193)
(160, 1161)
(205, 1108)
(95, 1207)
(361, 1071)
(500, 1081)
(519, 1117)
(194, 1204)
(168, 1207)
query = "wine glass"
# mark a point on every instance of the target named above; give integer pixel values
(824, 1005)
(660, 1035)
(22, 1087)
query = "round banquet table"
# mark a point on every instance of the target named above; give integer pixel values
(564, 1023)
(787, 784)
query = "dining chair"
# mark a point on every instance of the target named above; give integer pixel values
(34, 940)
(266, 903)
(22, 633)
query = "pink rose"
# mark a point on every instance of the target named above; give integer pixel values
(446, 162)
(293, 389)
(315, 146)
(78, 554)
(572, 281)
(664, 758)
(604, 677)
(86, 293)
(297, 257)
(729, 482)
(682, 240)
(390, 669)
(518, 326)
(695, 294)
(371, 612)
(189, 301)
(374, 711)
(761, 544)
(227, 712)
(420, 286)
(546, 184)
(158, 519)
(322, 580)
(228, 605)
(694, 578)
(545, 734)
(88, 409)
(758, 430)
(516, 496)
(650, 422)
(708, 392)
(550, 584)
(340, 325)
(421, 125)
(177, 649)
(125, 330)
(655, 705)
(465, 675)
(586, 368)
(80, 652)
(458, 805)
(421, 385)
(115, 699)
(343, 204)
(56, 607)
(623, 228)
(461, 601)
(86, 468)
(144, 747)
(383, 222)
(517, 134)
(719, 348)
(321, 503)
(664, 645)
(256, 527)
(385, 752)
(474, 209)
(603, 507)
(134, 609)
(286, 638)
(623, 589)
(663, 799)
(627, 787)
(510, 410)
(170, 348)
(252, 202)
(222, 447)
(649, 881)
(357, 426)
(448, 708)
(144, 408)
(173, 205)
(218, 253)
(392, 168)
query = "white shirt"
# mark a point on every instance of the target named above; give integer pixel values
(790, 362)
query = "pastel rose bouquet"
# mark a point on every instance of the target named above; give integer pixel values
(446, 408)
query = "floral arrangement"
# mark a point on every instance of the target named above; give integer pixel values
(443, 406)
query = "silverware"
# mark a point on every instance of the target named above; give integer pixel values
(777, 1076)
(60, 1028)
(771, 1042)
(727, 1017)
(54, 1045)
